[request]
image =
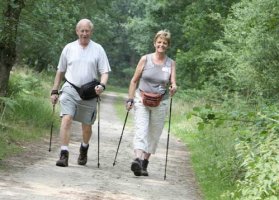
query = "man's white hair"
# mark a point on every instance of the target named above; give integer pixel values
(85, 21)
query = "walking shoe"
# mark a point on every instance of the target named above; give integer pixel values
(63, 160)
(144, 167)
(82, 159)
(136, 167)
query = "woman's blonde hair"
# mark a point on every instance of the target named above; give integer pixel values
(165, 34)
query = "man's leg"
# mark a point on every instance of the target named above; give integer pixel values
(86, 135)
(65, 139)
(65, 129)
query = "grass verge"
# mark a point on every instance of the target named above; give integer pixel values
(211, 150)
(26, 113)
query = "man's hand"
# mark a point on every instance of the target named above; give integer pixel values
(54, 96)
(100, 88)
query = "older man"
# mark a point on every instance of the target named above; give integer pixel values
(81, 61)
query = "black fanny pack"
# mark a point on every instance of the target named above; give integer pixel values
(87, 91)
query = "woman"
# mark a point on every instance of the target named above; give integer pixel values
(155, 73)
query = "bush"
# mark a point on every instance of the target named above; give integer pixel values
(26, 113)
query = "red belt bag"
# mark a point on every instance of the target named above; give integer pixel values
(151, 99)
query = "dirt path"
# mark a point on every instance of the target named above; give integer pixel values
(35, 176)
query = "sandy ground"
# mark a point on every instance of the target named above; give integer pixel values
(33, 174)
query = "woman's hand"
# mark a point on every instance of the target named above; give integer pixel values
(172, 89)
(129, 104)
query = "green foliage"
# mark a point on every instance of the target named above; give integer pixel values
(261, 163)
(218, 166)
(46, 26)
(2, 4)
(7, 103)
(28, 99)
(152, 17)
(247, 55)
(226, 44)
(26, 112)
(24, 85)
(259, 150)
(212, 148)
(249, 137)
(201, 28)
(8, 141)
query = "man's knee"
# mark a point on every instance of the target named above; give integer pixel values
(86, 128)
(67, 120)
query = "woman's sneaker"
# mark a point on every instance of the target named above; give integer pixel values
(63, 160)
(136, 167)
(144, 167)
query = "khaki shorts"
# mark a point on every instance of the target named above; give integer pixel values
(83, 111)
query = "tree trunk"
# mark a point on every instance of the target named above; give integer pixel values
(8, 41)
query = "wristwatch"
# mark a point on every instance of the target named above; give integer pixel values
(54, 92)
(103, 85)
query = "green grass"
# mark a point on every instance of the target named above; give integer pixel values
(13, 139)
(123, 91)
(120, 104)
(211, 151)
(8, 140)
(26, 114)
(210, 168)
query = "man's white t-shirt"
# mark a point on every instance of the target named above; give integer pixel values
(83, 65)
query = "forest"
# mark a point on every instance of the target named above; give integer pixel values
(227, 57)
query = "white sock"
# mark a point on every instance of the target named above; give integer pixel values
(64, 148)
(84, 145)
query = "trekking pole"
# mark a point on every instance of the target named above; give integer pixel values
(121, 137)
(168, 138)
(98, 100)
(51, 128)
